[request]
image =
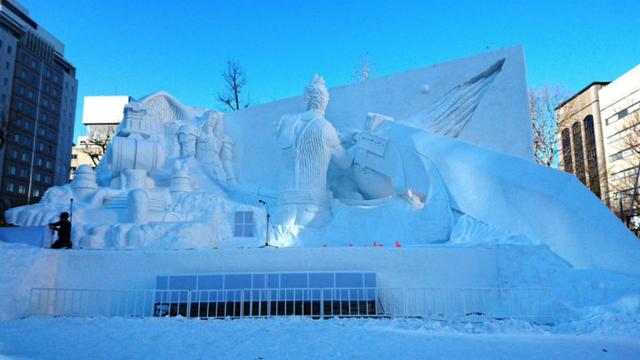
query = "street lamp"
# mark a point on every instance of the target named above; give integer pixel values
(268, 216)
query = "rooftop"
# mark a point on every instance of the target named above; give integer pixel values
(602, 83)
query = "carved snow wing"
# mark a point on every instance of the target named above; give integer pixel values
(449, 115)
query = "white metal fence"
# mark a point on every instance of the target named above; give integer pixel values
(429, 303)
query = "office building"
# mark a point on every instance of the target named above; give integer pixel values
(599, 136)
(38, 91)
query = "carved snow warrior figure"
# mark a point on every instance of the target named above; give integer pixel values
(187, 135)
(309, 143)
(215, 149)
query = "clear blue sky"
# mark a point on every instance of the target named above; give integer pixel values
(135, 47)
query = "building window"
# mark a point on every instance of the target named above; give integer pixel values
(12, 170)
(616, 156)
(623, 113)
(592, 155)
(243, 224)
(11, 187)
(22, 189)
(36, 192)
(578, 152)
(9, 49)
(37, 177)
(14, 154)
(25, 157)
(23, 173)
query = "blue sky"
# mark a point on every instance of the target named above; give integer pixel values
(135, 47)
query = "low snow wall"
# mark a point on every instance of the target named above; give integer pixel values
(404, 267)
(23, 268)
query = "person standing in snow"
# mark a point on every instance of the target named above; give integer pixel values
(63, 227)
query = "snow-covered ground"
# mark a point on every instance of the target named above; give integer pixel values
(296, 338)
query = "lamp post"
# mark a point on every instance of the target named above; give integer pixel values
(268, 216)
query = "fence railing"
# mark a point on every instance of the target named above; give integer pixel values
(431, 303)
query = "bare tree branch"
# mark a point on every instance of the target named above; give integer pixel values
(95, 147)
(623, 169)
(235, 80)
(542, 104)
(363, 70)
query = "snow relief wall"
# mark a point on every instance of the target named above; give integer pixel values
(347, 166)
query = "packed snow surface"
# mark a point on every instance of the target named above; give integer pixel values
(295, 338)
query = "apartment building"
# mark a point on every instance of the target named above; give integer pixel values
(38, 90)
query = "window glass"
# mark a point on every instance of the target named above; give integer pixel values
(243, 224)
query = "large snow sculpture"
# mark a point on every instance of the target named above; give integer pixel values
(419, 171)
(309, 143)
(163, 156)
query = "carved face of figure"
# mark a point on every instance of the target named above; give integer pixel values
(214, 122)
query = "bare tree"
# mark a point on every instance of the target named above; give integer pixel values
(363, 70)
(235, 80)
(624, 168)
(542, 104)
(95, 147)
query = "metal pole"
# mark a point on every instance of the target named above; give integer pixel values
(35, 133)
(268, 216)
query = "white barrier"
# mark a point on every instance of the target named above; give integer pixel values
(443, 304)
